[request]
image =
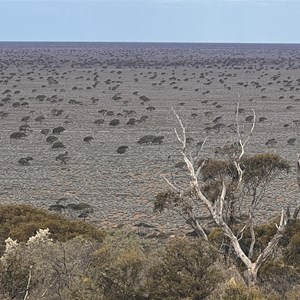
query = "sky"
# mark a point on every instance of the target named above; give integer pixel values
(214, 21)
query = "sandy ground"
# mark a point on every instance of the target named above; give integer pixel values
(75, 86)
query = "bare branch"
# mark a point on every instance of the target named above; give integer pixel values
(296, 212)
(298, 170)
(201, 149)
(253, 241)
(242, 143)
(197, 227)
(237, 120)
(183, 139)
(216, 207)
(28, 283)
(274, 241)
(178, 137)
(283, 221)
(199, 168)
(219, 204)
(241, 232)
(171, 185)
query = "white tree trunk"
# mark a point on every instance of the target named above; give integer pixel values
(216, 209)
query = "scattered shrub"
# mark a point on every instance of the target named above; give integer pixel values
(88, 139)
(122, 149)
(58, 130)
(18, 135)
(114, 122)
(99, 121)
(39, 118)
(58, 145)
(51, 139)
(25, 161)
(146, 139)
(45, 131)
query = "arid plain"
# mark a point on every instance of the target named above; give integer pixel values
(105, 96)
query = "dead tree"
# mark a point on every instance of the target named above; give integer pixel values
(298, 170)
(297, 210)
(236, 168)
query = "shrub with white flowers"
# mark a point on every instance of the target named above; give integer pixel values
(42, 236)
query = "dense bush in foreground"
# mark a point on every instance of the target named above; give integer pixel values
(76, 261)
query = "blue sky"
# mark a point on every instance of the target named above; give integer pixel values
(240, 21)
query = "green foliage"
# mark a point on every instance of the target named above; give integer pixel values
(276, 276)
(258, 169)
(214, 169)
(239, 291)
(13, 279)
(290, 243)
(263, 234)
(292, 229)
(165, 199)
(186, 270)
(213, 190)
(216, 236)
(264, 167)
(83, 289)
(293, 295)
(171, 200)
(52, 267)
(117, 270)
(22, 221)
(292, 251)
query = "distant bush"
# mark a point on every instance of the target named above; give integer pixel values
(58, 145)
(51, 139)
(58, 130)
(25, 161)
(122, 149)
(99, 121)
(114, 122)
(131, 121)
(18, 135)
(45, 131)
(88, 139)
(144, 98)
(146, 139)
(39, 118)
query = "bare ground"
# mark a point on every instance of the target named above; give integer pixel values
(91, 82)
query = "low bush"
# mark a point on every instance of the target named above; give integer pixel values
(22, 221)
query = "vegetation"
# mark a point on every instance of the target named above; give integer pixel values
(230, 189)
(20, 222)
(44, 255)
(189, 264)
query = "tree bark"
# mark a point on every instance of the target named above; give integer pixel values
(216, 210)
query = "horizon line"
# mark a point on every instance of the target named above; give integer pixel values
(153, 42)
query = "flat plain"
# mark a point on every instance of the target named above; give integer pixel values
(101, 99)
